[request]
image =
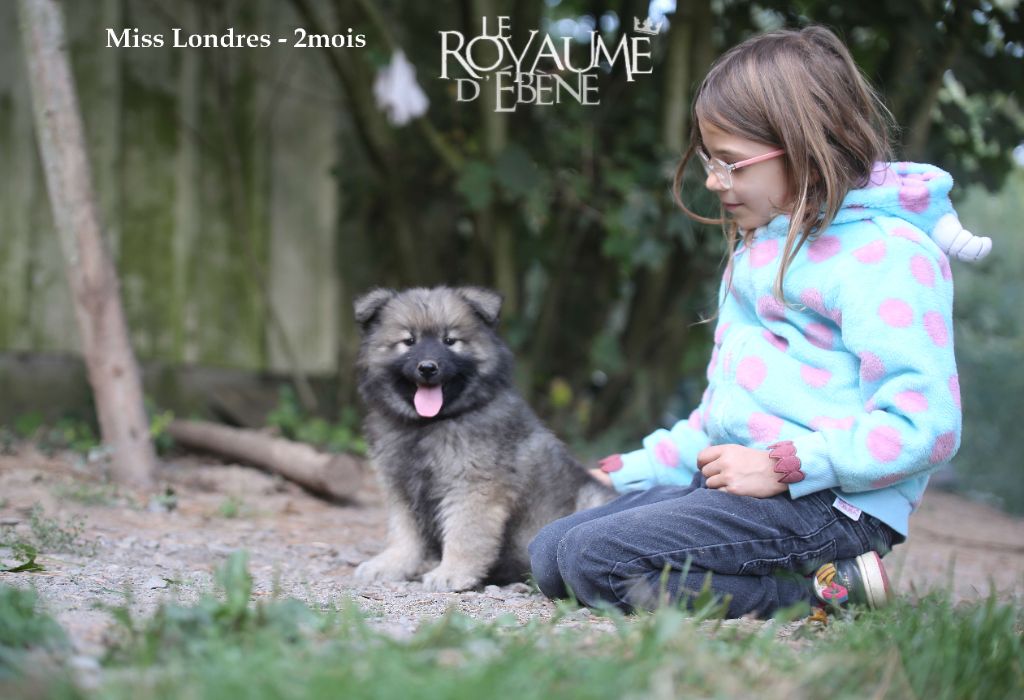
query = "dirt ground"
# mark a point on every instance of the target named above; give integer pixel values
(304, 547)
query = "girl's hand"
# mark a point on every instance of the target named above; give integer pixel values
(602, 476)
(740, 470)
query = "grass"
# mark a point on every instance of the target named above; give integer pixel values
(32, 649)
(21, 625)
(230, 507)
(49, 534)
(225, 646)
(89, 493)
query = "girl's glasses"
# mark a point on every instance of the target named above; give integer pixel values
(723, 170)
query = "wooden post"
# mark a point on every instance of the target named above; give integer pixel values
(113, 371)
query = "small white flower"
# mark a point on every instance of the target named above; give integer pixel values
(397, 92)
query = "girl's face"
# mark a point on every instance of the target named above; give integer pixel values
(760, 191)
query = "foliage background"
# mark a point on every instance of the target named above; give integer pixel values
(251, 195)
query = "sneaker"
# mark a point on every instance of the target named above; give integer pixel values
(858, 581)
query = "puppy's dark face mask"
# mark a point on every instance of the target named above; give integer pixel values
(433, 371)
(431, 353)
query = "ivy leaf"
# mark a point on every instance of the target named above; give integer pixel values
(516, 173)
(475, 184)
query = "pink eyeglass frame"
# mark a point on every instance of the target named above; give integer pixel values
(729, 167)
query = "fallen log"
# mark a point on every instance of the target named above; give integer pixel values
(337, 477)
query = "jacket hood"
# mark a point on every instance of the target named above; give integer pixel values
(918, 193)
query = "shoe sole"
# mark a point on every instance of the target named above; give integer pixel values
(876, 582)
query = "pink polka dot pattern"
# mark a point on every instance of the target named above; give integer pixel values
(947, 274)
(612, 463)
(819, 335)
(751, 372)
(943, 448)
(896, 313)
(667, 453)
(770, 308)
(922, 270)
(907, 233)
(815, 376)
(936, 327)
(870, 405)
(888, 480)
(720, 332)
(811, 298)
(829, 423)
(914, 197)
(764, 427)
(713, 363)
(883, 176)
(764, 252)
(954, 389)
(871, 253)
(871, 367)
(884, 443)
(777, 340)
(823, 248)
(695, 421)
(911, 401)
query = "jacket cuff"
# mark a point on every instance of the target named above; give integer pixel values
(631, 471)
(787, 462)
(815, 464)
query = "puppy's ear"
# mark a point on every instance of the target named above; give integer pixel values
(485, 302)
(369, 305)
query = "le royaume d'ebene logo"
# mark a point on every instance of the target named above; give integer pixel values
(541, 71)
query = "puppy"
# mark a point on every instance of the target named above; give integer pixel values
(469, 471)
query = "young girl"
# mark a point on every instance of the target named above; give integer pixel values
(832, 388)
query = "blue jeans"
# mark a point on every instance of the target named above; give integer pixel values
(758, 550)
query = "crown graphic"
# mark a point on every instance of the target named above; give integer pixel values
(648, 27)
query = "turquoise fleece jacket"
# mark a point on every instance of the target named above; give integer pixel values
(856, 369)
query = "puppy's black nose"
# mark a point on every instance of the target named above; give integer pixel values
(427, 369)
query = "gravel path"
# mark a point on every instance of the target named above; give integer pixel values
(306, 548)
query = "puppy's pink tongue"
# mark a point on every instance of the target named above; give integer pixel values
(428, 400)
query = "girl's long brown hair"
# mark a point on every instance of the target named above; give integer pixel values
(801, 91)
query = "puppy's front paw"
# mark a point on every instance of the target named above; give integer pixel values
(386, 566)
(447, 579)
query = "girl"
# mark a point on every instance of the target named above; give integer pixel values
(832, 392)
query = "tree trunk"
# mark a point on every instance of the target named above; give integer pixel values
(920, 121)
(495, 223)
(113, 371)
(336, 477)
(676, 91)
